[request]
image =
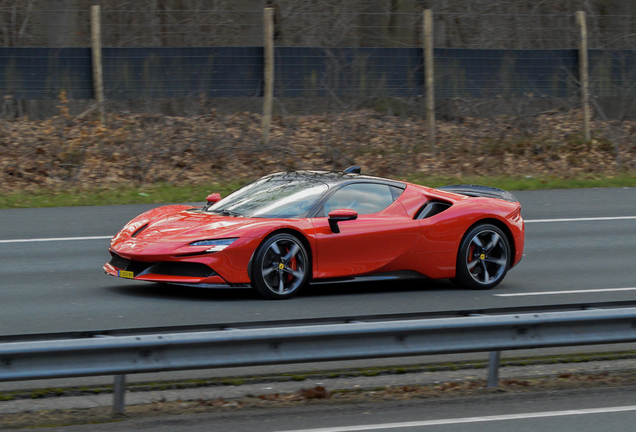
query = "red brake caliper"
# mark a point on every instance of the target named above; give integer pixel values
(292, 265)
(471, 252)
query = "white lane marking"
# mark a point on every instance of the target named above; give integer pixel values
(565, 292)
(581, 219)
(55, 239)
(469, 420)
(108, 237)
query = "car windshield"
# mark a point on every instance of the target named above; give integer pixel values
(272, 197)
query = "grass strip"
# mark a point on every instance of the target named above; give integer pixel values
(167, 193)
(119, 195)
(321, 398)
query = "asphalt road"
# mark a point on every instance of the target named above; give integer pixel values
(59, 285)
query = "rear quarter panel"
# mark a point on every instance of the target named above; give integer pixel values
(435, 252)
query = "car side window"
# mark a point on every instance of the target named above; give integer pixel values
(364, 198)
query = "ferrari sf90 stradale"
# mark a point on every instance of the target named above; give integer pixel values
(285, 230)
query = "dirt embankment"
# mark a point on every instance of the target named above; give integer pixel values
(321, 398)
(140, 149)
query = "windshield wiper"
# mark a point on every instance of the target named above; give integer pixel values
(226, 212)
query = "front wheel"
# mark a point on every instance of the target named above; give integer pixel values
(483, 258)
(280, 267)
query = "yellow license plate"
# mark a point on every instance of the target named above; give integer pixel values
(125, 274)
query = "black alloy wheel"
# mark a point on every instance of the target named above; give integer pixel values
(483, 258)
(280, 267)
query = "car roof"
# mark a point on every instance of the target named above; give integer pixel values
(334, 178)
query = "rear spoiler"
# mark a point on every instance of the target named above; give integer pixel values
(480, 191)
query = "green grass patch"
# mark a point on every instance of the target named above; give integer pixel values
(233, 382)
(531, 182)
(150, 194)
(165, 193)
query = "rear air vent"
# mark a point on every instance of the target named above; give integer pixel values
(432, 208)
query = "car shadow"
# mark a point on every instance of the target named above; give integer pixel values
(183, 293)
(378, 287)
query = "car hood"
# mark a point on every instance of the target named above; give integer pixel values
(186, 226)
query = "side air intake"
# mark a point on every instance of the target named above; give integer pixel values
(432, 208)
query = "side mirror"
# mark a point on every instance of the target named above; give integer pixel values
(340, 216)
(212, 198)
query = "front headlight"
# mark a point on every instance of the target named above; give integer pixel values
(217, 244)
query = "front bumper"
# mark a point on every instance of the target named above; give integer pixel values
(154, 277)
(174, 272)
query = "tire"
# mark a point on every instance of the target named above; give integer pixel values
(280, 268)
(483, 258)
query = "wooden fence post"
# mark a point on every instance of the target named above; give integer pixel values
(584, 74)
(429, 80)
(268, 75)
(96, 54)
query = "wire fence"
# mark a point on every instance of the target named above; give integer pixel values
(328, 23)
(349, 89)
(182, 28)
(349, 53)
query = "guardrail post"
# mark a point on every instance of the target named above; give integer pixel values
(493, 369)
(119, 394)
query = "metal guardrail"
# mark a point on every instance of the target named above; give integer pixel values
(244, 325)
(311, 343)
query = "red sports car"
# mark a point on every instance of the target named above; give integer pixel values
(285, 230)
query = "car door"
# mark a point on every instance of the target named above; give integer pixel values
(382, 233)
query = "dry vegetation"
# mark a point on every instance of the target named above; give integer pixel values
(143, 149)
(319, 396)
(210, 146)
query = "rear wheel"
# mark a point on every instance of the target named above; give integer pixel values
(483, 258)
(280, 267)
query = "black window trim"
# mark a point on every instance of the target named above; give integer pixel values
(315, 211)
